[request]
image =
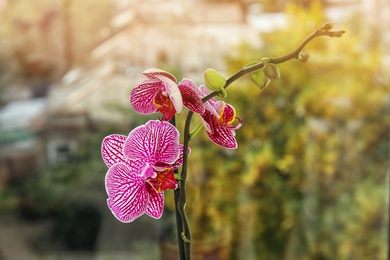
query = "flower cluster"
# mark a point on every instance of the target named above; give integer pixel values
(161, 93)
(141, 165)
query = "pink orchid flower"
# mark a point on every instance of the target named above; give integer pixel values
(160, 93)
(140, 169)
(217, 120)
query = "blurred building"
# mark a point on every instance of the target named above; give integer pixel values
(19, 145)
(184, 36)
(140, 35)
(173, 34)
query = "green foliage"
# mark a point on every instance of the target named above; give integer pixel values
(71, 195)
(308, 180)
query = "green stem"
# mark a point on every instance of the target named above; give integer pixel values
(292, 55)
(179, 225)
(182, 199)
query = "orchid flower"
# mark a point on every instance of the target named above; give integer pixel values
(160, 93)
(217, 120)
(141, 167)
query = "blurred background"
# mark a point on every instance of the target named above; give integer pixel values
(308, 181)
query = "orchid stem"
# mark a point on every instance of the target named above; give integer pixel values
(179, 225)
(323, 31)
(184, 233)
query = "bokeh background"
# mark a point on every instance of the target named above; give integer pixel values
(308, 181)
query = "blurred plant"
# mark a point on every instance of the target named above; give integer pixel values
(68, 197)
(161, 91)
(314, 152)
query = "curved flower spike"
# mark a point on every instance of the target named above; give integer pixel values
(140, 169)
(160, 93)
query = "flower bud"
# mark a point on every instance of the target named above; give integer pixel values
(214, 80)
(260, 79)
(303, 56)
(272, 71)
(327, 27)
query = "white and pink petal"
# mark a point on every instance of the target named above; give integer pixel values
(157, 73)
(168, 83)
(112, 149)
(156, 141)
(127, 194)
(155, 206)
(174, 94)
(142, 95)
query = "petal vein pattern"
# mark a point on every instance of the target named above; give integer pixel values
(156, 141)
(141, 97)
(156, 203)
(191, 96)
(112, 149)
(128, 197)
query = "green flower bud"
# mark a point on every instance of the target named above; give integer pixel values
(260, 79)
(214, 80)
(303, 56)
(272, 71)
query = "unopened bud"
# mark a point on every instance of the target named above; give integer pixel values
(272, 71)
(260, 79)
(327, 27)
(303, 56)
(214, 80)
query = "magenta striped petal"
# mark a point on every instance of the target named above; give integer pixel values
(156, 141)
(127, 194)
(206, 125)
(219, 131)
(223, 136)
(205, 92)
(176, 164)
(193, 86)
(191, 96)
(112, 149)
(141, 97)
(155, 206)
